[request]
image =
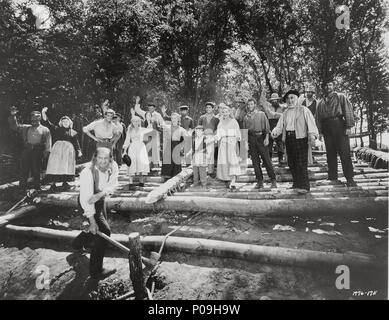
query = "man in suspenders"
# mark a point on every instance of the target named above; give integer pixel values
(96, 182)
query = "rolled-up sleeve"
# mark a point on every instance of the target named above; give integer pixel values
(311, 124)
(280, 126)
(86, 192)
(89, 127)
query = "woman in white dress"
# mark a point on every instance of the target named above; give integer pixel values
(228, 135)
(137, 150)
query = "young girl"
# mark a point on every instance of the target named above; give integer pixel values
(61, 166)
(137, 150)
(173, 136)
(228, 134)
(200, 157)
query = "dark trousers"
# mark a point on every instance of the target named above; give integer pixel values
(337, 143)
(31, 162)
(278, 141)
(257, 151)
(117, 153)
(297, 151)
(97, 243)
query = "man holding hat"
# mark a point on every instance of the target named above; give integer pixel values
(273, 113)
(37, 145)
(297, 126)
(335, 118)
(209, 122)
(310, 102)
(105, 131)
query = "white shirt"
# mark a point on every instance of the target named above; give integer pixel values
(102, 129)
(106, 183)
(290, 118)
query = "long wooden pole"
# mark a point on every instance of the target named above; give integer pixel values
(136, 270)
(222, 249)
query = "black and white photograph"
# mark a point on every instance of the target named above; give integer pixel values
(206, 152)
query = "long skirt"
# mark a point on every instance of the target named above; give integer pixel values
(171, 164)
(61, 165)
(139, 159)
(227, 160)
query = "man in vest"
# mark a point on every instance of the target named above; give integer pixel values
(96, 182)
(36, 147)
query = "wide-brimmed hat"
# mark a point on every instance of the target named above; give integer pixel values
(274, 96)
(292, 91)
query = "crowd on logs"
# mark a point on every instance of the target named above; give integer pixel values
(217, 145)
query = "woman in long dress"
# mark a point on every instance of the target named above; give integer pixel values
(61, 166)
(173, 137)
(137, 151)
(228, 134)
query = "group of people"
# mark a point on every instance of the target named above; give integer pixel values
(215, 147)
(220, 138)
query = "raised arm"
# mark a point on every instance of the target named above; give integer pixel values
(14, 124)
(46, 121)
(138, 109)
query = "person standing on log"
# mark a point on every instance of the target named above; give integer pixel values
(137, 150)
(36, 147)
(209, 122)
(200, 156)
(228, 134)
(96, 182)
(258, 128)
(157, 121)
(273, 111)
(61, 166)
(117, 148)
(105, 131)
(297, 126)
(335, 118)
(310, 101)
(173, 138)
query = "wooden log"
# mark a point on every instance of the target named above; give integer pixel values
(17, 214)
(161, 191)
(135, 263)
(377, 159)
(284, 194)
(261, 254)
(345, 206)
(222, 249)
